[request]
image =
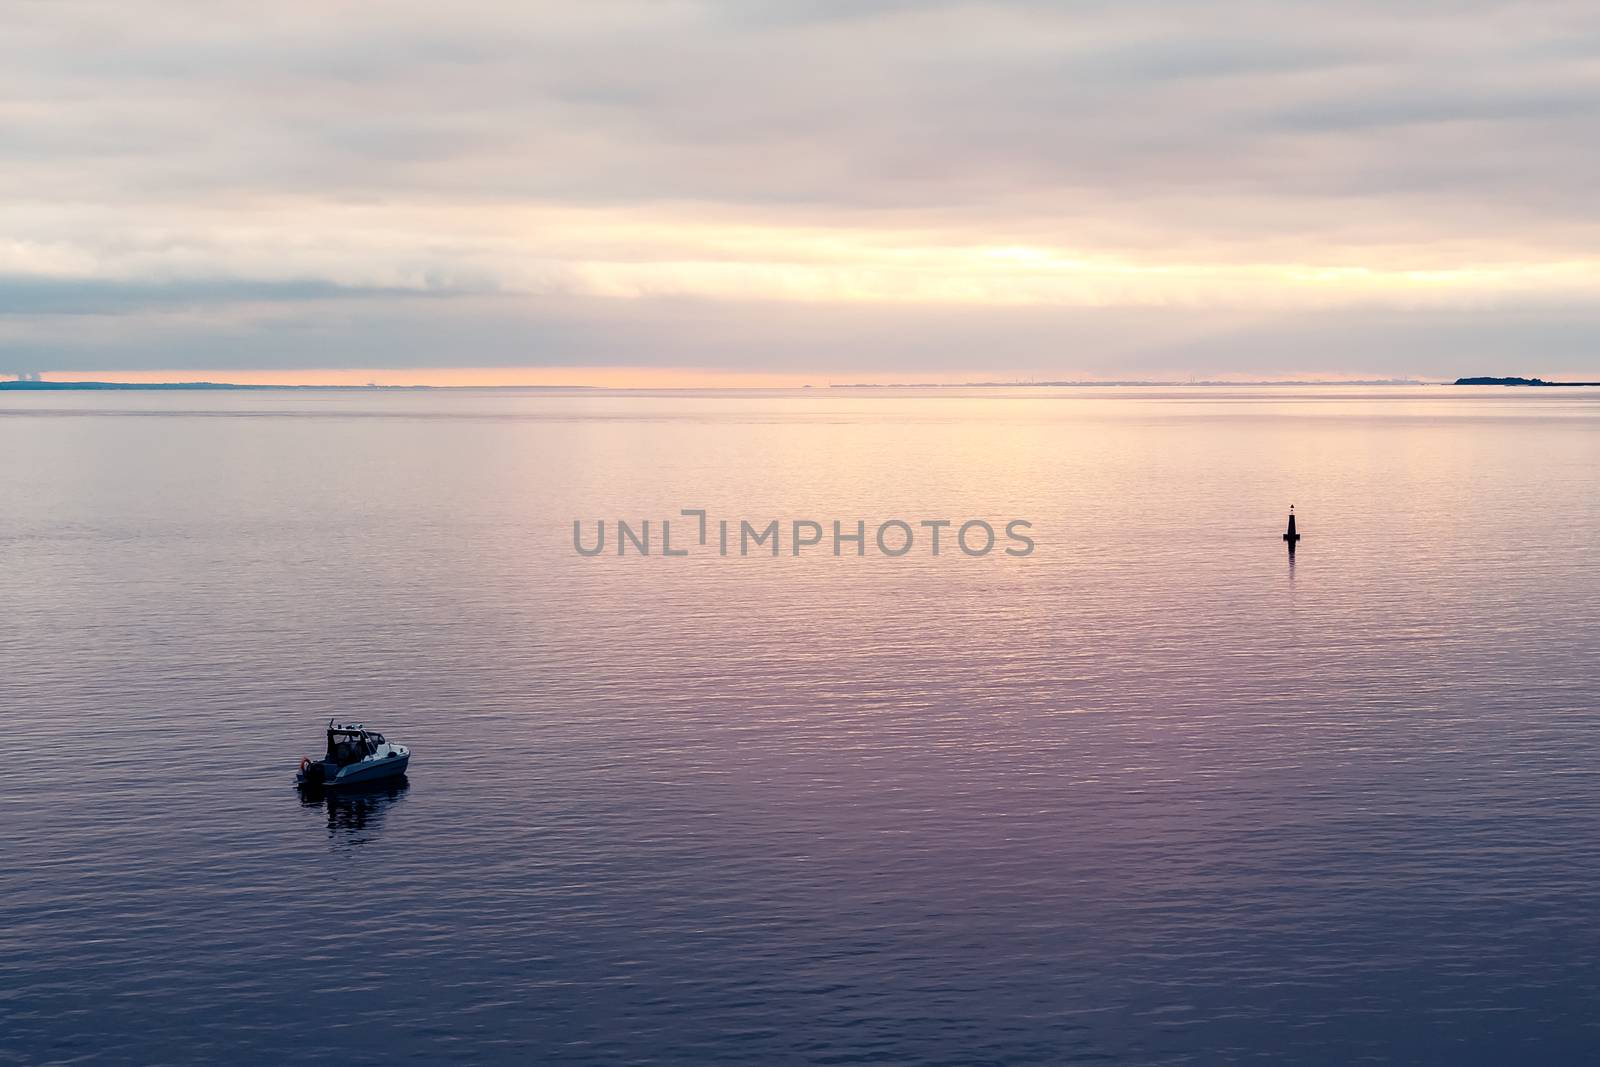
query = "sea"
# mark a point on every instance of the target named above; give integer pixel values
(1132, 785)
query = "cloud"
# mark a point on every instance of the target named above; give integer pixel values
(831, 343)
(1221, 159)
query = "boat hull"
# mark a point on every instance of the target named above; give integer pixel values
(361, 773)
(373, 770)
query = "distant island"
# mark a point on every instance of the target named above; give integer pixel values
(1519, 381)
(35, 385)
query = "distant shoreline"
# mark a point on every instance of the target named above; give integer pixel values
(44, 386)
(57, 387)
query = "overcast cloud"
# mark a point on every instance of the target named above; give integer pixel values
(1127, 189)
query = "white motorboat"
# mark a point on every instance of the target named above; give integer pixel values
(355, 754)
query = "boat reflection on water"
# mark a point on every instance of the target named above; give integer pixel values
(355, 812)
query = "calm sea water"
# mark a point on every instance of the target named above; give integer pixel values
(1151, 795)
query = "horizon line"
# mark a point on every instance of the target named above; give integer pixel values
(36, 384)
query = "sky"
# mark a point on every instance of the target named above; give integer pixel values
(827, 191)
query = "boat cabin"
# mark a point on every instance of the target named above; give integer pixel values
(351, 743)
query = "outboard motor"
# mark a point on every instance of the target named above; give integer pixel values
(313, 774)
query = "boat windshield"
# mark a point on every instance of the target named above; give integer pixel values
(348, 748)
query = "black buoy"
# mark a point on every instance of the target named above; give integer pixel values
(1291, 536)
